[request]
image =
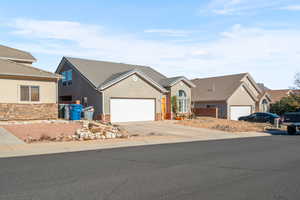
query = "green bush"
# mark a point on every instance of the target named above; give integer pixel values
(286, 104)
(174, 104)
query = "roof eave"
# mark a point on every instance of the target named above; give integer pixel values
(182, 79)
(19, 59)
(37, 76)
(254, 83)
(209, 100)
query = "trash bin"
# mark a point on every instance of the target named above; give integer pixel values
(88, 113)
(66, 111)
(61, 111)
(75, 111)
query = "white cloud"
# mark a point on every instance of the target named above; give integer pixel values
(237, 7)
(292, 8)
(170, 32)
(267, 54)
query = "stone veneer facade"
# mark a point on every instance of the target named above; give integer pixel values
(15, 111)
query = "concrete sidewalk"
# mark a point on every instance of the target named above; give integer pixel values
(6, 138)
(15, 150)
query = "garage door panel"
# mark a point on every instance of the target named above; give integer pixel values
(127, 110)
(239, 111)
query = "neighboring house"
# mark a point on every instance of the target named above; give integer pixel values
(277, 95)
(121, 92)
(27, 93)
(234, 95)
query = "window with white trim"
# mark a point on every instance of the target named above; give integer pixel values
(182, 102)
(29, 93)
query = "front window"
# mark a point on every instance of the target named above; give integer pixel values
(67, 77)
(182, 102)
(35, 93)
(25, 93)
(29, 93)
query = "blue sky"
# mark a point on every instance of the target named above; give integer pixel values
(191, 38)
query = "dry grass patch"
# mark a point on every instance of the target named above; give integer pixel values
(224, 125)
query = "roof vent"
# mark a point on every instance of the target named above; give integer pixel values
(212, 88)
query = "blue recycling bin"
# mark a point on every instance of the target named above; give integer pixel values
(75, 111)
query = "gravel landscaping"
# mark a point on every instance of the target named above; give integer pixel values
(58, 131)
(30, 132)
(225, 125)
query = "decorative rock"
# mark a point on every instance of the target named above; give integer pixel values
(92, 130)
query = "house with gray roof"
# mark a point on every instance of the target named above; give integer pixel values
(27, 92)
(122, 92)
(234, 95)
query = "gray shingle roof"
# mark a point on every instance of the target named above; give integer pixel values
(100, 72)
(8, 67)
(262, 87)
(12, 53)
(168, 81)
(216, 88)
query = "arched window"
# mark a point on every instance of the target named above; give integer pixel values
(265, 106)
(182, 102)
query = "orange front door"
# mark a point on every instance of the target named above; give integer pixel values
(163, 107)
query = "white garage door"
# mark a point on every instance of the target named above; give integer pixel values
(239, 111)
(129, 110)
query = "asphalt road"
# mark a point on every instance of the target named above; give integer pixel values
(252, 168)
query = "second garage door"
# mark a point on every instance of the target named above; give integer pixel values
(129, 110)
(239, 111)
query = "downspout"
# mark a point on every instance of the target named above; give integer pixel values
(102, 114)
(57, 80)
(102, 96)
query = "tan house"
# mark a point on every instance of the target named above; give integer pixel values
(27, 93)
(122, 92)
(233, 95)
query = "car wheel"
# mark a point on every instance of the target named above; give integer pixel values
(291, 130)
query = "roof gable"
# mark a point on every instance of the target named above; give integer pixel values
(169, 82)
(253, 84)
(247, 90)
(123, 76)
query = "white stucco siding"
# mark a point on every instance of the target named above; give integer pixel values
(10, 90)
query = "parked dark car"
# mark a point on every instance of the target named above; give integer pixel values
(292, 121)
(260, 117)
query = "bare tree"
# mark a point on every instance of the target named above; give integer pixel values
(297, 80)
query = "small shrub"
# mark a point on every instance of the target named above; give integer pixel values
(45, 137)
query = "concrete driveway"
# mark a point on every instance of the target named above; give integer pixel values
(169, 128)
